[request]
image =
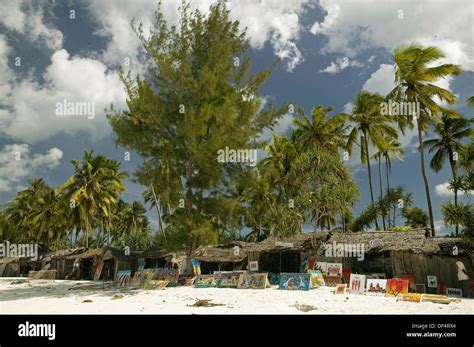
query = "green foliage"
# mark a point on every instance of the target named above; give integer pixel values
(400, 228)
(201, 97)
(415, 217)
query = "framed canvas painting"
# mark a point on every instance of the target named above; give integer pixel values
(432, 282)
(396, 286)
(341, 288)
(332, 281)
(295, 281)
(321, 266)
(122, 278)
(420, 288)
(253, 266)
(334, 269)
(357, 284)
(376, 286)
(454, 292)
(253, 281)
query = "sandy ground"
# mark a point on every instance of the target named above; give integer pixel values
(85, 297)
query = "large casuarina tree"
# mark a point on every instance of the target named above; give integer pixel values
(198, 97)
(416, 72)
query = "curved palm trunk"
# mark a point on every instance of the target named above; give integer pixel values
(425, 178)
(366, 145)
(160, 221)
(381, 191)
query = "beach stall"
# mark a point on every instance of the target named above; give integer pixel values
(222, 257)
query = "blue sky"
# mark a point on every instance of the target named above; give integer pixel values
(329, 51)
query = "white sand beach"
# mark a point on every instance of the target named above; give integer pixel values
(87, 297)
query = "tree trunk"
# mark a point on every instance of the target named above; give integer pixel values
(370, 175)
(453, 170)
(388, 189)
(157, 207)
(381, 190)
(425, 177)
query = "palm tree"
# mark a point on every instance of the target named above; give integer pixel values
(470, 101)
(392, 149)
(93, 190)
(49, 217)
(450, 132)
(320, 131)
(415, 73)
(369, 126)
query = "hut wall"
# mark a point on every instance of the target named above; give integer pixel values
(422, 265)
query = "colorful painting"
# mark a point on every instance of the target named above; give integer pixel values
(311, 262)
(156, 284)
(346, 274)
(304, 264)
(334, 269)
(332, 281)
(229, 280)
(396, 286)
(122, 278)
(170, 275)
(206, 281)
(138, 278)
(357, 284)
(317, 279)
(253, 281)
(341, 288)
(410, 297)
(432, 282)
(442, 288)
(420, 288)
(196, 266)
(321, 266)
(274, 279)
(98, 270)
(376, 286)
(411, 281)
(454, 292)
(293, 281)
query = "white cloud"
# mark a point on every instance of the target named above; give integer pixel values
(17, 163)
(27, 19)
(275, 21)
(340, 64)
(353, 26)
(29, 114)
(443, 190)
(381, 81)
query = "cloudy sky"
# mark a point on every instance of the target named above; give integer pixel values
(54, 50)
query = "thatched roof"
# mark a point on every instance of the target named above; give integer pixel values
(63, 253)
(298, 242)
(222, 253)
(374, 241)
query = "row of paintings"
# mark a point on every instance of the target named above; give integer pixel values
(233, 280)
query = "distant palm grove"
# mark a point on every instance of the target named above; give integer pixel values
(200, 97)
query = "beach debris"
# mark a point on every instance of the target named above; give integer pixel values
(305, 308)
(204, 303)
(117, 296)
(18, 282)
(87, 300)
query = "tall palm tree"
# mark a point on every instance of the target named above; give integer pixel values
(415, 73)
(447, 144)
(94, 189)
(470, 101)
(369, 126)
